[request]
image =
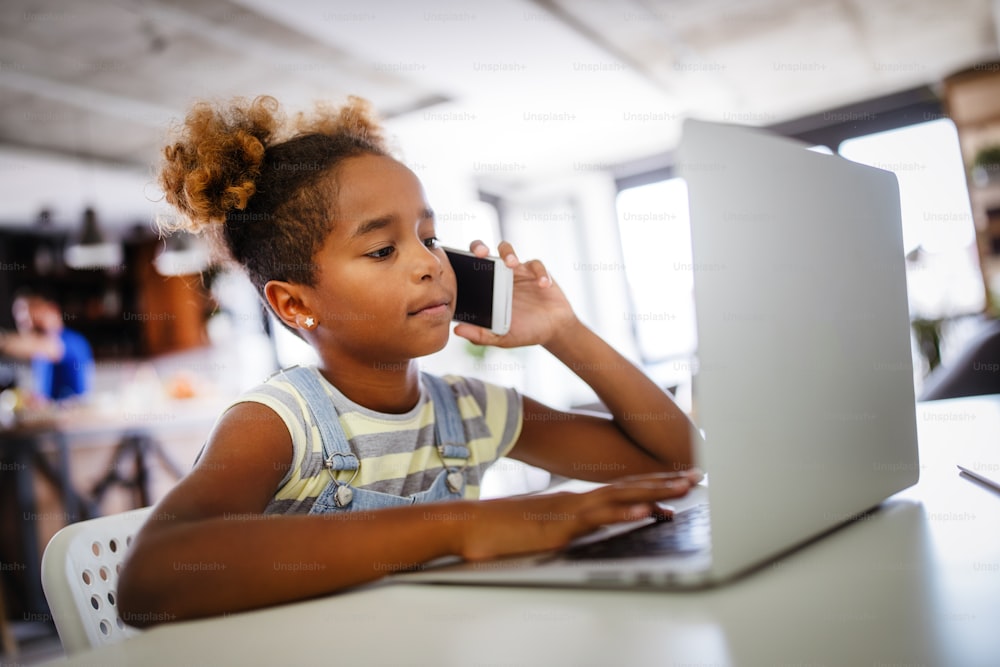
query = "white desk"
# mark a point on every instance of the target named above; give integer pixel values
(917, 583)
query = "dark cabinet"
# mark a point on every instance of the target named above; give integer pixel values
(126, 310)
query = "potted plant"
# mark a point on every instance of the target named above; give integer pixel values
(986, 165)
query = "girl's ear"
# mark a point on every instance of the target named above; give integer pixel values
(286, 300)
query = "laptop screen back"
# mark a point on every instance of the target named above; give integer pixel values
(805, 380)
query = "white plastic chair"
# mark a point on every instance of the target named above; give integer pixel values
(80, 569)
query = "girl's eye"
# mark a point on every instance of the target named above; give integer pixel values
(382, 253)
(432, 242)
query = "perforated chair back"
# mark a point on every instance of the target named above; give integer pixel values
(80, 569)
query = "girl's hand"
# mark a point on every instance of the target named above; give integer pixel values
(540, 310)
(528, 524)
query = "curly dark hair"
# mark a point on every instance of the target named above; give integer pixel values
(254, 184)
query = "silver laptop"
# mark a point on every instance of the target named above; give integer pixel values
(804, 389)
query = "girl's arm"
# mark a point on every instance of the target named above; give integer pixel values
(207, 549)
(647, 431)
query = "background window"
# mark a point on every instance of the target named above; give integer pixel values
(655, 236)
(656, 248)
(938, 235)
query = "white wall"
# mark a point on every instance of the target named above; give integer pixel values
(31, 181)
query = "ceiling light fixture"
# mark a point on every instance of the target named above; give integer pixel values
(91, 250)
(182, 255)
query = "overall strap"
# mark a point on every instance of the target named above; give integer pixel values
(336, 450)
(449, 433)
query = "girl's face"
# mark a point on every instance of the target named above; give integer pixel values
(385, 291)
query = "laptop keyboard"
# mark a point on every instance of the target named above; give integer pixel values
(684, 532)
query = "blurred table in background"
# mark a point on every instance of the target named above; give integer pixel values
(63, 463)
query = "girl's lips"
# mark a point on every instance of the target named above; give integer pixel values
(432, 310)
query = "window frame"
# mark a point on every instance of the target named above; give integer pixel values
(828, 128)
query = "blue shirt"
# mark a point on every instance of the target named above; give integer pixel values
(71, 375)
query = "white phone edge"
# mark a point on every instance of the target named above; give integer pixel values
(503, 297)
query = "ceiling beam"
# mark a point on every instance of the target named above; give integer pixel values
(259, 45)
(595, 37)
(88, 99)
(91, 159)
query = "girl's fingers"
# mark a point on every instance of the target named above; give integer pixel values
(610, 514)
(475, 334)
(632, 503)
(695, 475)
(506, 251)
(540, 273)
(479, 249)
(649, 491)
(660, 476)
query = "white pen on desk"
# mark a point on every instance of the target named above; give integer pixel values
(979, 477)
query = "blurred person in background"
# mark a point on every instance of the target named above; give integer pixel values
(62, 362)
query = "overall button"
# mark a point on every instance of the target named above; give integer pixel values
(455, 480)
(343, 495)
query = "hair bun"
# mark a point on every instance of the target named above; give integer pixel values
(355, 118)
(213, 164)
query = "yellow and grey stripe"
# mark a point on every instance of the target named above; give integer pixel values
(396, 451)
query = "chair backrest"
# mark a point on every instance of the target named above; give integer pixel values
(80, 569)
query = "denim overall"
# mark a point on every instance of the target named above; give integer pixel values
(340, 496)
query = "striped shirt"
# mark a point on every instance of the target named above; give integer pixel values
(396, 451)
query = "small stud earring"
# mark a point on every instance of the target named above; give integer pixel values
(310, 322)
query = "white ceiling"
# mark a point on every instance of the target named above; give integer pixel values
(479, 92)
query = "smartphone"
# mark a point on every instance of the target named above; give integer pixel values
(485, 290)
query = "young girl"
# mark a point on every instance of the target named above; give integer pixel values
(328, 477)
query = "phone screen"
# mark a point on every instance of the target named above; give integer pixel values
(475, 277)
